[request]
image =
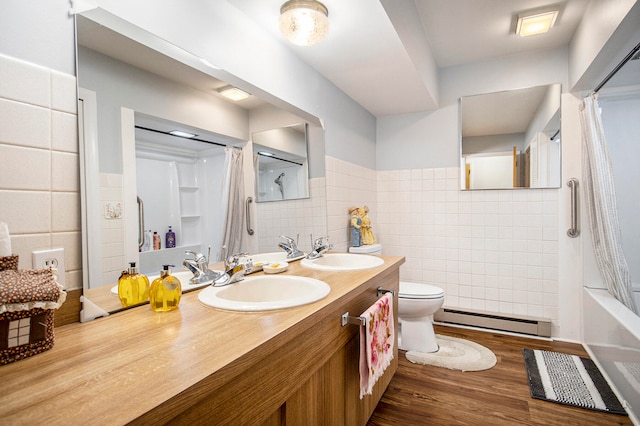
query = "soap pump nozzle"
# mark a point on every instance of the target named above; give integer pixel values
(166, 271)
(132, 268)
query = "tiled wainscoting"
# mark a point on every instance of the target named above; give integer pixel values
(39, 181)
(494, 251)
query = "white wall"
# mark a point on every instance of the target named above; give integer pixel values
(607, 31)
(493, 143)
(40, 32)
(120, 85)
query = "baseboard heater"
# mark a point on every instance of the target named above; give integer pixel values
(521, 324)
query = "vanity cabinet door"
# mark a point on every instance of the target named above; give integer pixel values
(331, 396)
(320, 401)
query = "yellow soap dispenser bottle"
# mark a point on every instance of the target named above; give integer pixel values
(133, 288)
(166, 291)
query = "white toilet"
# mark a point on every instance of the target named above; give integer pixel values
(417, 303)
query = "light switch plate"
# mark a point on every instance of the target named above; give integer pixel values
(50, 258)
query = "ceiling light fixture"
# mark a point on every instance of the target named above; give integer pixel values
(536, 23)
(304, 22)
(182, 134)
(233, 93)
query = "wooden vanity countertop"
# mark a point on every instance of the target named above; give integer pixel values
(114, 369)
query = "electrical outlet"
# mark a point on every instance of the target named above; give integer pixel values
(50, 258)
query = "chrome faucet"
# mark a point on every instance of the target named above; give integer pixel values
(199, 267)
(235, 270)
(320, 246)
(290, 246)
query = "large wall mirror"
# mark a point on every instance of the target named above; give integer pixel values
(140, 177)
(511, 139)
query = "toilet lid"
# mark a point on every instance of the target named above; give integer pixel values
(419, 291)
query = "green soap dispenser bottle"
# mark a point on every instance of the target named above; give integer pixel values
(166, 291)
(133, 288)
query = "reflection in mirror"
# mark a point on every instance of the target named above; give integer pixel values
(130, 97)
(180, 184)
(511, 139)
(282, 169)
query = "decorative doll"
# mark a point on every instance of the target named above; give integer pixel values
(368, 237)
(356, 222)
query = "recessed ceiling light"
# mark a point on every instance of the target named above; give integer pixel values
(537, 23)
(233, 93)
(182, 134)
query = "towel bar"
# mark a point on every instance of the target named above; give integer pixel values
(347, 319)
(382, 291)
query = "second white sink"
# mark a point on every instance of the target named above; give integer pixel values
(264, 293)
(343, 262)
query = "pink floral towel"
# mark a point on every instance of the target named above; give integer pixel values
(376, 343)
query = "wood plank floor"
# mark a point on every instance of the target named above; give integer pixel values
(427, 395)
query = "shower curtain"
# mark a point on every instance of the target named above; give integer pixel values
(233, 188)
(601, 204)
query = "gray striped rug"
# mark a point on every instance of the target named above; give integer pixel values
(570, 380)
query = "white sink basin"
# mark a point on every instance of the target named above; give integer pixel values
(265, 293)
(183, 276)
(343, 262)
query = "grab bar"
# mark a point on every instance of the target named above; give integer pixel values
(573, 232)
(248, 211)
(140, 223)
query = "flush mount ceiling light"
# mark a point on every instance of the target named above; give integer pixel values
(535, 23)
(304, 22)
(233, 93)
(182, 134)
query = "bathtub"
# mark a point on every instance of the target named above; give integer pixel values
(612, 338)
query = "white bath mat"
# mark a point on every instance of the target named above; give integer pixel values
(456, 354)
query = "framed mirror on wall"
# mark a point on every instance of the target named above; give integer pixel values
(511, 139)
(282, 170)
(135, 89)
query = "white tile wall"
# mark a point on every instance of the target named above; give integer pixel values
(304, 217)
(493, 251)
(347, 185)
(112, 230)
(39, 182)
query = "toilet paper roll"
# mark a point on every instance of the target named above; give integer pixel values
(5, 240)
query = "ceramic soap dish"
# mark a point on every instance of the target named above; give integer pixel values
(275, 268)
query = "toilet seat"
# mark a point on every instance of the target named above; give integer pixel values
(419, 291)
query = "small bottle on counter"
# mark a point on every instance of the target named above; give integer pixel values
(157, 244)
(170, 239)
(166, 291)
(148, 240)
(133, 288)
